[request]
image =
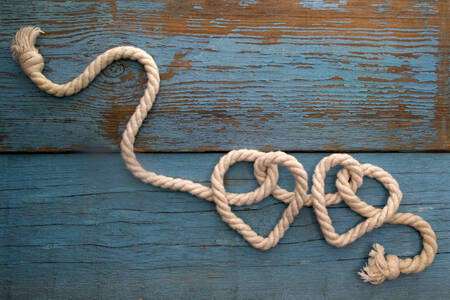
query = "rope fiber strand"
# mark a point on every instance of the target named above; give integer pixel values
(380, 266)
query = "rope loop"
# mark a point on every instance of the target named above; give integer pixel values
(270, 183)
(380, 266)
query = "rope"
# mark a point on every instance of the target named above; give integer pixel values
(380, 266)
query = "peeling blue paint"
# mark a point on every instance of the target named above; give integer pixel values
(382, 7)
(145, 6)
(246, 3)
(295, 71)
(324, 5)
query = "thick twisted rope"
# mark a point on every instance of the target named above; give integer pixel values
(380, 266)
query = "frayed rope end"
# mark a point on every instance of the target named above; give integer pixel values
(380, 267)
(24, 41)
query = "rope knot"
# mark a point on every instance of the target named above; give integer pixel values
(380, 267)
(25, 53)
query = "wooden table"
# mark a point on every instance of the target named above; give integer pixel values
(307, 77)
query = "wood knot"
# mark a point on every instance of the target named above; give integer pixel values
(114, 70)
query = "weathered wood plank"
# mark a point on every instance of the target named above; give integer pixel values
(79, 226)
(292, 75)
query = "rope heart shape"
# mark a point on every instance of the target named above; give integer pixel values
(354, 169)
(264, 159)
(380, 266)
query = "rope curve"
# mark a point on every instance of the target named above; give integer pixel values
(380, 266)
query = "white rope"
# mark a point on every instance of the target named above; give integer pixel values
(380, 266)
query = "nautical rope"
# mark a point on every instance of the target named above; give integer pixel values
(380, 266)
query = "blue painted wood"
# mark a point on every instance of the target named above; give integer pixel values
(79, 226)
(293, 75)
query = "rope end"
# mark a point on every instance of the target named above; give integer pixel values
(380, 267)
(24, 42)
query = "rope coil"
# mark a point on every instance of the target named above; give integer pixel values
(380, 266)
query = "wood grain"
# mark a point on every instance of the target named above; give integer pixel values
(292, 75)
(79, 226)
(302, 76)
